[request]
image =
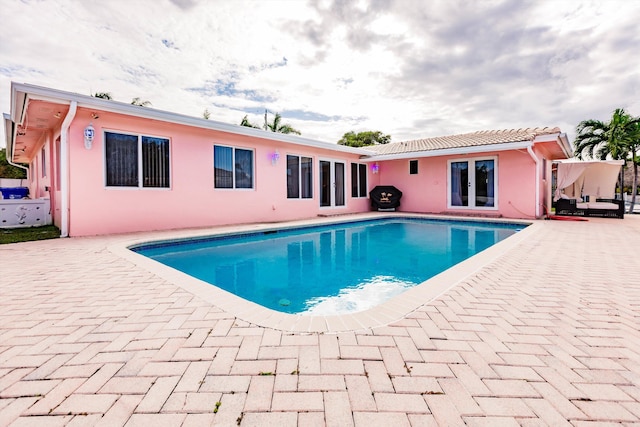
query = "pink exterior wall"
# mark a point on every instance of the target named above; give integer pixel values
(427, 191)
(192, 200)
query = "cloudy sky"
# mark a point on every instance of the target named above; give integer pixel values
(408, 68)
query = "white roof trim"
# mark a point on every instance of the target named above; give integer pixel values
(60, 97)
(452, 151)
(8, 134)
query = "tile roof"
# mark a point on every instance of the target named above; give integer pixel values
(487, 137)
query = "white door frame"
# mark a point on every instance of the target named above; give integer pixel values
(471, 183)
(332, 183)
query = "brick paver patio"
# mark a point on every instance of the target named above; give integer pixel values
(547, 334)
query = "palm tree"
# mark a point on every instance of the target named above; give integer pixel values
(634, 152)
(276, 126)
(245, 122)
(617, 139)
(103, 95)
(206, 114)
(139, 102)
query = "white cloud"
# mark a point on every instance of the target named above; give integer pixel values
(407, 68)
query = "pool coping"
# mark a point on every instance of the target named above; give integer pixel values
(383, 314)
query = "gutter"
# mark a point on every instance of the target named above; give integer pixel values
(64, 169)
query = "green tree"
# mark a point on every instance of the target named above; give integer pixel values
(617, 139)
(245, 122)
(362, 139)
(277, 126)
(206, 114)
(139, 102)
(103, 95)
(7, 170)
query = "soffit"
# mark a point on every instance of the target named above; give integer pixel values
(41, 118)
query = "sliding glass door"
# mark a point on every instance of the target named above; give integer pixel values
(332, 176)
(472, 183)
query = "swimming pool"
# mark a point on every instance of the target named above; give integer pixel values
(330, 269)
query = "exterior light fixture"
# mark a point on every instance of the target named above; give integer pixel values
(275, 156)
(375, 168)
(89, 133)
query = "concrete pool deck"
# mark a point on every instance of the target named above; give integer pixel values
(547, 332)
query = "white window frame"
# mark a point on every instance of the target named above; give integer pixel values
(300, 157)
(140, 185)
(417, 166)
(43, 154)
(332, 195)
(471, 161)
(366, 191)
(233, 162)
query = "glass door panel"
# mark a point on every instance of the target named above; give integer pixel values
(325, 183)
(332, 181)
(484, 183)
(339, 184)
(459, 183)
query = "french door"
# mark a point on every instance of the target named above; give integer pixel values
(332, 177)
(473, 183)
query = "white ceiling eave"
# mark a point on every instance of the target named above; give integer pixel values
(84, 101)
(451, 151)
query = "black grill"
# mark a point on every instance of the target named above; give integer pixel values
(385, 197)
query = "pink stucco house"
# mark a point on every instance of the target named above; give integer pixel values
(108, 167)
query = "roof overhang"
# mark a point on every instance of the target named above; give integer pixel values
(22, 94)
(564, 148)
(459, 151)
(560, 139)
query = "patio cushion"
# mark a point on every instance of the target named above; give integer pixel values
(600, 205)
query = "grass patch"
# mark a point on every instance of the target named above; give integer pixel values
(15, 235)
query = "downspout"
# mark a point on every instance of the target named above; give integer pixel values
(18, 165)
(64, 169)
(537, 162)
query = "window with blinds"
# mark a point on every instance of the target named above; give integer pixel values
(233, 167)
(136, 161)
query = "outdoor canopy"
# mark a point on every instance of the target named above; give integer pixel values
(597, 178)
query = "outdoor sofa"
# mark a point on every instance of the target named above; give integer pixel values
(609, 208)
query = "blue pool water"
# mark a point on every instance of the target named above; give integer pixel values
(331, 269)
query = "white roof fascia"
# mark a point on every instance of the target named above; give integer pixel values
(560, 138)
(18, 105)
(566, 145)
(8, 134)
(451, 151)
(86, 101)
